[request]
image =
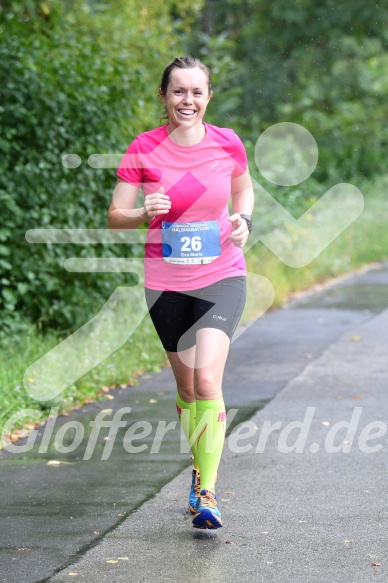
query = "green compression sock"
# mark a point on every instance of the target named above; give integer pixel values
(210, 437)
(187, 414)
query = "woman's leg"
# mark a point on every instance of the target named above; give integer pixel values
(185, 399)
(172, 315)
(182, 364)
(220, 304)
(199, 372)
(211, 353)
(186, 408)
(199, 401)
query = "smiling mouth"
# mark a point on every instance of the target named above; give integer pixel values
(187, 112)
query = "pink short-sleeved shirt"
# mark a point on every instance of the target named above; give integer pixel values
(198, 181)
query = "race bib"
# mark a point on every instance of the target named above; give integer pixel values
(189, 243)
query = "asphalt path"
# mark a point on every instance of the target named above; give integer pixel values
(315, 514)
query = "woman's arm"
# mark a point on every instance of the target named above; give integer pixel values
(122, 213)
(243, 200)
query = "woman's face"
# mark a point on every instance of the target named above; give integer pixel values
(187, 97)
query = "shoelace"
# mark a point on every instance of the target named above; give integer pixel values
(197, 487)
(209, 499)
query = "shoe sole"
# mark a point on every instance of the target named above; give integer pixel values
(206, 519)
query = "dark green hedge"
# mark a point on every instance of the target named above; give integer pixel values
(72, 83)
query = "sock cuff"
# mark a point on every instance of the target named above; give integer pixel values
(205, 405)
(183, 404)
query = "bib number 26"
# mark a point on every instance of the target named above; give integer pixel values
(191, 243)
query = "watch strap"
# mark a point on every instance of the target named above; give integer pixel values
(247, 218)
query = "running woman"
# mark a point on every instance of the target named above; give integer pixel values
(194, 268)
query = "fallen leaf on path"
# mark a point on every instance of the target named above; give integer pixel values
(355, 338)
(18, 434)
(356, 396)
(73, 574)
(30, 426)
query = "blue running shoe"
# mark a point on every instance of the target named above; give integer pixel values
(195, 492)
(208, 515)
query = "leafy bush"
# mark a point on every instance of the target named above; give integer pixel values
(75, 82)
(322, 64)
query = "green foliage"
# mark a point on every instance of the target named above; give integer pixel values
(76, 81)
(80, 76)
(323, 65)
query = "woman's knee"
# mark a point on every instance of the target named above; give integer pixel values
(207, 385)
(186, 393)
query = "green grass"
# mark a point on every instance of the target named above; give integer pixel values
(363, 242)
(141, 353)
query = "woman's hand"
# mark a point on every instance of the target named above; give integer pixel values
(240, 233)
(156, 204)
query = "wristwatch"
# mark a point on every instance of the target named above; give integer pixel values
(248, 220)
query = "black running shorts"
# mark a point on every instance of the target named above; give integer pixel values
(178, 315)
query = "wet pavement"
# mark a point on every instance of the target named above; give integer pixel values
(74, 516)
